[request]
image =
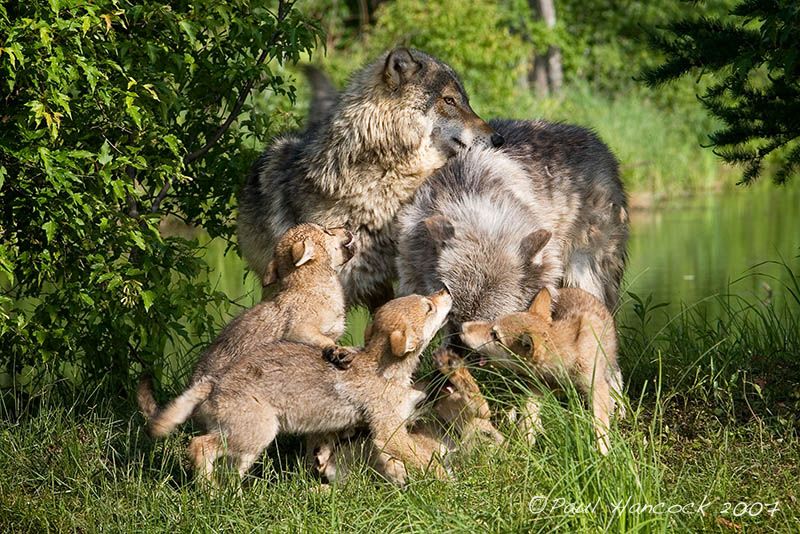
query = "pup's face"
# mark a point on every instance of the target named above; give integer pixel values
(411, 322)
(339, 244)
(431, 86)
(514, 339)
(460, 395)
(309, 243)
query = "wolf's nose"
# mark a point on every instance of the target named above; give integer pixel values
(497, 140)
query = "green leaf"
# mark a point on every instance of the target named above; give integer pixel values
(187, 28)
(172, 143)
(49, 230)
(133, 110)
(147, 299)
(105, 156)
(137, 239)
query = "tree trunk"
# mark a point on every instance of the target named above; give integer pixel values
(546, 75)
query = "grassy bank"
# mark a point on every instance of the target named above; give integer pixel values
(712, 423)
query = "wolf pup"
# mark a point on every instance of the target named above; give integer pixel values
(459, 418)
(578, 342)
(399, 119)
(289, 387)
(496, 226)
(309, 307)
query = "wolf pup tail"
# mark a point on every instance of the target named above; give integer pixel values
(144, 397)
(162, 421)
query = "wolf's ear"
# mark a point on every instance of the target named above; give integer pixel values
(271, 275)
(402, 342)
(542, 305)
(533, 244)
(302, 252)
(400, 67)
(440, 229)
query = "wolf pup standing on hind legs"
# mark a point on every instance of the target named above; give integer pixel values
(398, 121)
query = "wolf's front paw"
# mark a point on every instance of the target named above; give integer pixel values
(341, 357)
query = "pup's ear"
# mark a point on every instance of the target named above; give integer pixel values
(440, 229)
(400, 67)
(402, 343)
(271, 275)
(302, 252)
(533, 244)
(542, 305)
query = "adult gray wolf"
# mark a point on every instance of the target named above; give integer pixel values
(399, 120)
(288, 387)
(495, 226)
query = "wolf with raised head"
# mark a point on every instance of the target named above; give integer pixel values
(362, 158)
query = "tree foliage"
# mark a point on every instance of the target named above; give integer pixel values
(753, 51)
(116, 113)
(473, 36)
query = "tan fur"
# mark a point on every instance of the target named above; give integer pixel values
(309, 308)
(577, 342)
(457, 419)
(289, 387)
(464, 406)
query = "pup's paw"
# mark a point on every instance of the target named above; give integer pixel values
(341, 357)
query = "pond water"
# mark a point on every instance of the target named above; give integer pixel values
(735, 243)
(683, 254)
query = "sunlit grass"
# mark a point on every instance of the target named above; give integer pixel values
(713, 404)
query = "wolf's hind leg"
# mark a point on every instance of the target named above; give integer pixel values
(601, 406)
(203, 452)
(253, 434)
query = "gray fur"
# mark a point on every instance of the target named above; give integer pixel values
(553, 177)
(387, 132)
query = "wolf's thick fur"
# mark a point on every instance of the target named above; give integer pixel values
(577, 342)
(399, 120)
(479, 226)
(288, 387)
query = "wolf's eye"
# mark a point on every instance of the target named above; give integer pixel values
(493, 335)
(449, 100)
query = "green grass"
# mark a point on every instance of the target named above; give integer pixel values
(714, 405)
(659, 149)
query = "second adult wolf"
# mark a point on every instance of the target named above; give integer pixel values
(495, 226)
(363, 157)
